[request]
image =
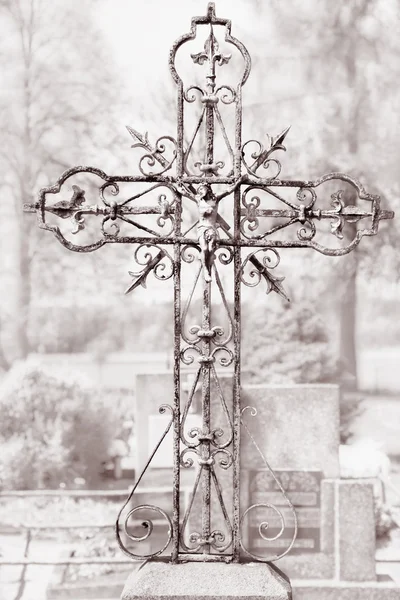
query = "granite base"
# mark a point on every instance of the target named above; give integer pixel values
(206, 581)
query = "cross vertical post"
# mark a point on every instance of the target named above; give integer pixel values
(208, 212)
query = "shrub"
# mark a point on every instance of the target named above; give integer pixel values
(52, 430)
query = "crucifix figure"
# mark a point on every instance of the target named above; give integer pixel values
(211, 202)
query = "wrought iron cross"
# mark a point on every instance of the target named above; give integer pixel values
(215, 174)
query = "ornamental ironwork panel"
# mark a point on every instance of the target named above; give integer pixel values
(207, 200)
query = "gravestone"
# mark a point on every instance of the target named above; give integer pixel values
(297, 430)
(302, 447)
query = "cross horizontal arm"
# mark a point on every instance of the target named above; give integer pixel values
(96, 209)
(350, 212)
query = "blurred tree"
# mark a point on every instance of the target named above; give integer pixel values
(291, 345)
(350, 45)
(58, 85)
(348, 58)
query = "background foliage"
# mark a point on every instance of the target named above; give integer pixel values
(294, 348)
(52, 430)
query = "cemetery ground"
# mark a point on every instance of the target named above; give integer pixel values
(378, 422)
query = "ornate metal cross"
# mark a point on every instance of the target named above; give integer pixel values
(210, 192)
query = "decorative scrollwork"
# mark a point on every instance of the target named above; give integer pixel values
(261, 156)
(114, 228)
(155, 154)
(264, 525)
(225, 93)
(305, 192)
(216, 540)
(200, 333)
(227, 357)
(150, 262)
(224, 254)
(209, 168)
(226, 461)
(71, 209)
(211, 54)
(150, 159)
(251, 220)
(261, 270)
(229, 95)
(112, 187)
(186, 357)
(148, 525)
(165, 211)
(308, 231)
(189, 94)
(188, 253)
(186, 463)
(262, 529)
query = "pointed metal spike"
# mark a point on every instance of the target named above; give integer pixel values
(133, 286)
(133, 132)
(283, 134)
(275, 285)
(278, 141)
(143, 139)
(140, 278)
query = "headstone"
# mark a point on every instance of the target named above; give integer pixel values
(296, 425)
(297, 430)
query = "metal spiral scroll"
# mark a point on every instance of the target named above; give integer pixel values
(263, 526)
(147, 523)
(261, 159)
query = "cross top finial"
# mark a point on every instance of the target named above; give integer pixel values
(211, 11)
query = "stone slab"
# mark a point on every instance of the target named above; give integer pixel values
(356, 528)
(335, 590)
(296, 427)
(305, 566)
(184, 581)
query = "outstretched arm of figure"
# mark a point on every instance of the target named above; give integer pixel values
(230, 188)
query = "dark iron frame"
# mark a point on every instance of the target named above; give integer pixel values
(213, 243)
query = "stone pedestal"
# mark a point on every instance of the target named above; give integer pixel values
(208, 581)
